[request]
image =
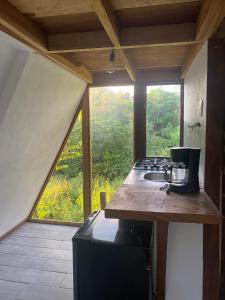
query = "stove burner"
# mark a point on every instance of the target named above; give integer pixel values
(150, 163)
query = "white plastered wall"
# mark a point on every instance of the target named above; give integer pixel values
(185, 241)
(38, 100)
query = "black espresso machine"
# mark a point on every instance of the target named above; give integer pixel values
(112, 259)
(184, 168)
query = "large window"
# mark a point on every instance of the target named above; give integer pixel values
(62, 199)
(111, 116)
(163, 119)
(111, 122)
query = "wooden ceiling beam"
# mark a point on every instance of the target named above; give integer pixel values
(148, 77)
(107, 17)
(79, 70)
(20, 27)
(130, 38)
(210, 17)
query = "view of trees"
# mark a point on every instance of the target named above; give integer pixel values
(112, 149)
(163, 118)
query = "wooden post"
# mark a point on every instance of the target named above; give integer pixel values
(162, 237)
(213, 236)
(139, 120)
(86, 140)
(103, 199)
(182, 113)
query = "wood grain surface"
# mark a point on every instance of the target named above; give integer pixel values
(150, 203)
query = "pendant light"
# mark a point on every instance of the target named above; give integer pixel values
(111, 63)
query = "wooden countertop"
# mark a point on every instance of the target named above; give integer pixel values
(138, 199)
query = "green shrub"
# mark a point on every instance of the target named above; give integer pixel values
(63, 199)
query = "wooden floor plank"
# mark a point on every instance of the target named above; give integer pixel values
(10, 290)
(58, 236)
(46, 233)
(48, 227)
(67, 282)
(3, 270)
(36, 263)
(32, 276)
(45, 264)
(35, 251)
(36, 242)
(35, 292)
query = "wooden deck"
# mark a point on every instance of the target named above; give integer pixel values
(36, 263)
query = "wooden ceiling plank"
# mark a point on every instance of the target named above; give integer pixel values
(118, 4)
(49, 8)
(137, 37)
(78, 42)
(157, 57)
(24, 30)
(107, 17)
(210, 17)
(14, 21)
(161, 34)
(150, 76)
(161, 57)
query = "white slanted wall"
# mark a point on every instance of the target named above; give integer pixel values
(38, 100)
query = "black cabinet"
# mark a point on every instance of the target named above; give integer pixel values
(112, 259)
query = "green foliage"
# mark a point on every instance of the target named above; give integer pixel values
(70, 162)
(63, 198)
(100, 184)
(162, 121)
(112, 133)
(112, 150)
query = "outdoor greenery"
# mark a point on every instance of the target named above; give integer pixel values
(112, 149)
(162, 121)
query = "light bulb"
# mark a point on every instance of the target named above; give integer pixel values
(111, 63)
(111, 67)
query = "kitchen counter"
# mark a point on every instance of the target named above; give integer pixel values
(141, 199)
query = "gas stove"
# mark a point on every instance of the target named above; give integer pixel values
(153, 163)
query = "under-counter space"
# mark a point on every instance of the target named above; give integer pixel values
(141, 199)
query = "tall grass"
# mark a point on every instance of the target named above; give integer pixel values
(63, 199)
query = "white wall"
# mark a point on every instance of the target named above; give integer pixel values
(185, 241)
(185, 262)
(195, 94)
(13, 57)
(39, 100)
